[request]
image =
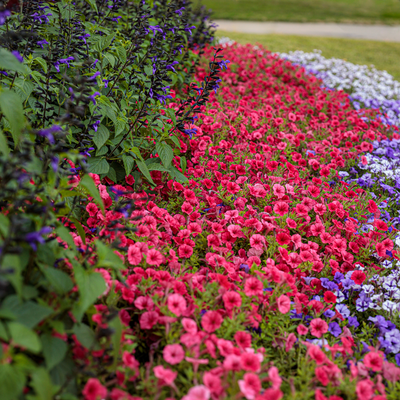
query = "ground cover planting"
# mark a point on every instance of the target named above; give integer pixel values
(367, 86)
(263, 267)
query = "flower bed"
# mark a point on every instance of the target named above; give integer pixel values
(264, 270)
(250, 281)
(367, 86)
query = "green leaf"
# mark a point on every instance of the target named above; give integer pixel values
(121, 52)
(65, 235)
(91, 285)
(98, 165)
(11, 106)
(106, 41)
(175, 140)
(3, 144)
(110, 58)
(3, 332)
(148, 70)
(112, 174)
(24, 337)
(93, 4)
(42, 62)
(116, 338)
(101, 136)
(106, 257)
(28, 313)
(183, 163)
(12, 382)
(128, 163)
(9, 62)
(4, 224)
(165, 153)
(157, 167)
(88, 183)
(41, 382)
(85, 335)
(60, 280)
(145, 171)
(136, 151)
(54, 350)
(79, 228)
(176, 174)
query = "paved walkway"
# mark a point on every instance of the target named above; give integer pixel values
(350, 31)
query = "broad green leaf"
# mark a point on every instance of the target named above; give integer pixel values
(4, 224)
(157, 167)
(175, 140)
(116, 338)
(183, 163)
(145, 171)
(54, 350)
(112, 174)
(85, 335)
(12, 382)
(110, 58)
(79, 228)
(9, 62)
(91, 285)
(93, 4)
(106, 41)
(60, 280)
(98, 165)
(136, 151)
(27, 313)
(101, 136)
(3, 144)
(24, 337)
(41, 382)
(148, 69)
(42, 62)
(121, 52)
(88, 183)
(165, 153)
(176, 174)
(128, 163)
(106, 257)
(64, 234)
(3, 332)
(11, 106)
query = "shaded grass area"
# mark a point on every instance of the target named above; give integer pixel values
(359, 11)
(384, 55)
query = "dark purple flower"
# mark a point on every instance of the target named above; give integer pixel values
(18, 56)
(34, 238)
(42, 42)
(3, 16)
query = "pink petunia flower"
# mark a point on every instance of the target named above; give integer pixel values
(173, 353)
(283, 304)
(94, 390)
(250, 386)
(165, 376)
(154, 257)
(318, 327)
(211, 321)
(176, 304)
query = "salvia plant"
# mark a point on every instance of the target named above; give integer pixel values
(103, 71)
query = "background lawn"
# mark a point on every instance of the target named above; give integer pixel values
(384, 55)
(359, 11)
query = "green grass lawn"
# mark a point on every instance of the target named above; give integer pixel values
(359, 11)
(384, 55)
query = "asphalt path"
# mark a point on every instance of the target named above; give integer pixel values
(349, 31)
